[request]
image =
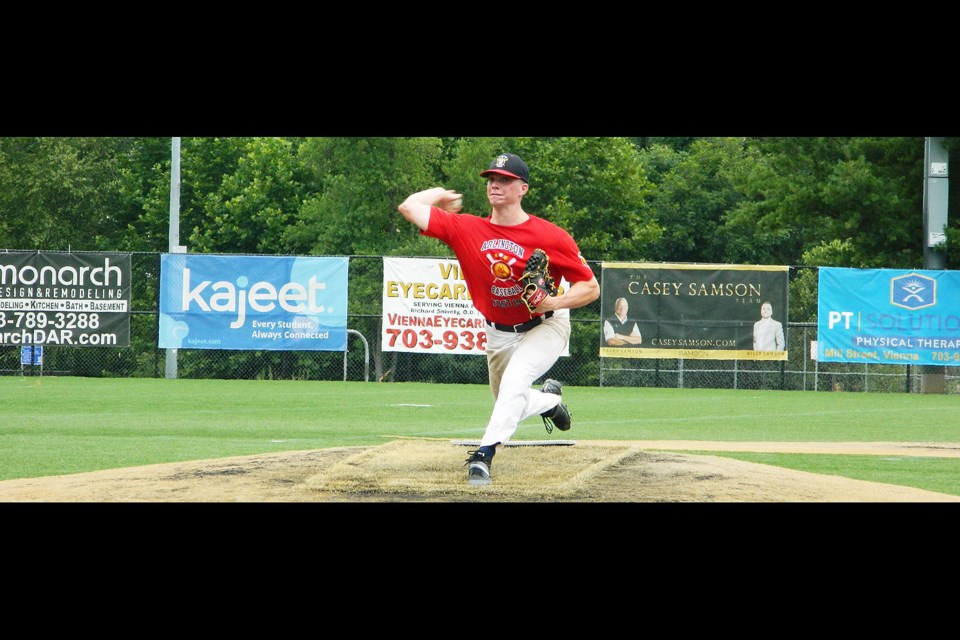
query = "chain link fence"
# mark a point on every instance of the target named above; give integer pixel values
(364, 361)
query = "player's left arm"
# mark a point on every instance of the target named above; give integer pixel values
(578, 295)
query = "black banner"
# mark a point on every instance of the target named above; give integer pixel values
(65, 299)
(696, 311)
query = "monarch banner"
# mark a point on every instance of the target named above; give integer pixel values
(695, 311)
(427, 308)
(253, 302)
(65, 299)
(888, 316)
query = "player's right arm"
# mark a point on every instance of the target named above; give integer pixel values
(416, 208)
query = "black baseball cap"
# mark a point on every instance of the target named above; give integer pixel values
(508, 164)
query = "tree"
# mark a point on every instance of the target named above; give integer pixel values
(804, 285)
(145, 191)
(254, 203)
(693, 196)
(357, 185)
(204, 163)
(237, 195)
(802, 192)
(62, 193)
(595, 188)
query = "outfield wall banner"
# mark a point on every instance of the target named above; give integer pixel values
(427, 308)
(695, 311)
(888, 316)
(65, 299)
(253, 302)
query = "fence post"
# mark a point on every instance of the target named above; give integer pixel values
(366, 357)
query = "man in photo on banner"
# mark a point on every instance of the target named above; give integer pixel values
(619, 330)
(767, 332)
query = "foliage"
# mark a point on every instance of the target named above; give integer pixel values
(145, 192)
(800, 192)
(61, 193)
(596, 189)
(254, 203)
(804, 202)
(694, 195)
(357, 184)
(804, 283)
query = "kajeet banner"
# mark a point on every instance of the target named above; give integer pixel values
(253, 302)
(65, 299)
(695, 311)
(888, 316)
(427, 308)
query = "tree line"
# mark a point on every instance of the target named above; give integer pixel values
(829, 201)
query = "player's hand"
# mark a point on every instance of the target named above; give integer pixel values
(450, 201)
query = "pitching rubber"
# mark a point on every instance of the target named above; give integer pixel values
(518, 443)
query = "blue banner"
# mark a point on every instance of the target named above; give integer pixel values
(253, 302)
(888, 316)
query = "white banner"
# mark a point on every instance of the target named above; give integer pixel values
(427, 308)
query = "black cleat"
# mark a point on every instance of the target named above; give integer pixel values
(478, 467)
(559, 416)
(551, 386)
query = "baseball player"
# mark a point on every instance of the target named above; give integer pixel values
(522, 342)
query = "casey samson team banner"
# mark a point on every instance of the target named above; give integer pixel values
(695, 311)
(65, 299)
(427, 308)
(888, 316)
(253, 302)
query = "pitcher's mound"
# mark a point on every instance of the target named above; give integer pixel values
(435, 469)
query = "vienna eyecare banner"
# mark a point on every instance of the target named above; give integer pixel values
(253, 302)
(427, 308)
(65, 299)
(695, 311)
(888, 316)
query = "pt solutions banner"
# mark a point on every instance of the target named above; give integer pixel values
(888, 316)
(695, 311)
(253, 302)
(427, 308)
(65, 299)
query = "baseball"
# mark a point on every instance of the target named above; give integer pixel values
(456, 204)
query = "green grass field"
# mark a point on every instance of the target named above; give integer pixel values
(63, 425)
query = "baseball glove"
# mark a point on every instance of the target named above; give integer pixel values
(537, 281)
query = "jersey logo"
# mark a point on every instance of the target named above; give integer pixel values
(501, 265)
(504, 284)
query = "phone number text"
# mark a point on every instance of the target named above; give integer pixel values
(60, 320)
(425, 339)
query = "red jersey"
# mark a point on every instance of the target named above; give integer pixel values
(492, 258)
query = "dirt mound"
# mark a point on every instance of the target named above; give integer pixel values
(420, 471)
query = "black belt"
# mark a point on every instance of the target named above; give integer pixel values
(522, 327)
